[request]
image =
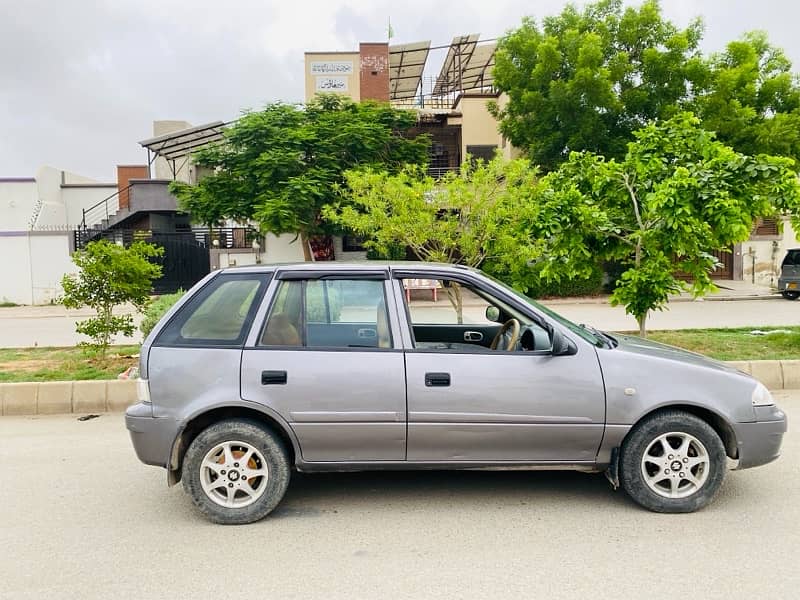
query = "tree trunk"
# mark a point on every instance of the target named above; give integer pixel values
(641, 320)
(304, 241)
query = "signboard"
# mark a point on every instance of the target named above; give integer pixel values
(331, 84)
(332, 67)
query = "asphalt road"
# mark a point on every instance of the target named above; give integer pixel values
(27, 326)
(81, 518)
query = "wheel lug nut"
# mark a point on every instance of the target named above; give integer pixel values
(686, 460)
(671, 457)
(223, 471)
(683, 475)
(666, 471)
(230, 485)
(236, 465)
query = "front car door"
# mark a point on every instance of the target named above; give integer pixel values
(467, 403)
(325, 360)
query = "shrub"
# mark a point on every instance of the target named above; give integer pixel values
(590, 286)
(158, 309)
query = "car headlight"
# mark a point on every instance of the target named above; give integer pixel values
(762, 396)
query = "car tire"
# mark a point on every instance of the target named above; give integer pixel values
(672, 462)
(236, 472)
(790, 295)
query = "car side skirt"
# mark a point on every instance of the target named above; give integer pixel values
(327, 467)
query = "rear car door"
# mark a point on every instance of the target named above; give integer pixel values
(325, 360)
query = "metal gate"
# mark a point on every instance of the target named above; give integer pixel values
(725, 271)
(186, 253)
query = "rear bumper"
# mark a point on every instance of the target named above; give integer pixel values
(759, 442)
(784, 284)
(152, 437)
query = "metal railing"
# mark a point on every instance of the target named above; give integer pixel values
(99, 211)
(225, 237)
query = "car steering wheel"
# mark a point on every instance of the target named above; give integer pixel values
(514, 326)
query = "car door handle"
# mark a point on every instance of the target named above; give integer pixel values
(273, 377)
(437, 379)
(473, 336)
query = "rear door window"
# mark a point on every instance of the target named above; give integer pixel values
(219, 314)
(339, 313)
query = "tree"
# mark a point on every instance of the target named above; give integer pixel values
(751, 98)
(585, 80)
(280, 166)
(110, 275)
(477, 216)
(677, 196)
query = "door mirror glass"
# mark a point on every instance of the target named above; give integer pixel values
(492, 314)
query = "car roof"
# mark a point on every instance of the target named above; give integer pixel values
(364, 265)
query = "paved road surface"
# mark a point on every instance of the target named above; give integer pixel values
(28, 326)
(81, 518)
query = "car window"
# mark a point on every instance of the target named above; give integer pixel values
(792, 258)
(443, 302)
(218, 314)
(342, 313)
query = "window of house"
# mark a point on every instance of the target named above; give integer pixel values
(218, 315)
(766, 226)
(340, 313)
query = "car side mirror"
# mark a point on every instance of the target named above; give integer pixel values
(562, 346)
(492, 314)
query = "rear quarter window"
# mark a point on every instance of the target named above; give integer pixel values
(219, 314)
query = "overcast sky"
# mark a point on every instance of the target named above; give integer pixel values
(81, 81)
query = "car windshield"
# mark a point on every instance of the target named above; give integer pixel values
(575, 328)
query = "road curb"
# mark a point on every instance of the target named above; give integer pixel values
(115, 395)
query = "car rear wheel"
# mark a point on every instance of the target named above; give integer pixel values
(236, 472)
(672, 462)
(791, 295)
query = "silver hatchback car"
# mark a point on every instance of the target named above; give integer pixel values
(331, 367)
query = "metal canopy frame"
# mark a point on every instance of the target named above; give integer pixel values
(467, 65)
(406, 64)
(180, 144)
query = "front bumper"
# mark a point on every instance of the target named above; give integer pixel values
(759, 442)
(152, 437)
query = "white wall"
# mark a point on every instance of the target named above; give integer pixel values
(282, 249)
(84, 197)
(768, 253)
(17, 203)
(36, 261)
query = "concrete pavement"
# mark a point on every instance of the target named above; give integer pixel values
(81, 518)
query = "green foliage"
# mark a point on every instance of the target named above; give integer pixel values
(110, 275)
(584, 80)
(477, 216)
(751, 98)
(157, 309)
(540, 287)
(279, 166)
(677, 196)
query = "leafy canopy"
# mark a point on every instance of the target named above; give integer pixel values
(676, 196)
(281, 165)
(479, 216)
(751, 98)
(584, 80)
(110, 275)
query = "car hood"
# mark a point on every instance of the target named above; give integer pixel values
(636, 345)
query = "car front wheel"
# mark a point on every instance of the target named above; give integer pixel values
(791, 295)
(672, 462)
(236, 472)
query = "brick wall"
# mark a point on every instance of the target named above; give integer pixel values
(374, 71)
(124, 174)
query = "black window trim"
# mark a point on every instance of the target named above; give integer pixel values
(191, 305)
(345, 276)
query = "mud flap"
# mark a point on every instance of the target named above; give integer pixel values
(612, 472)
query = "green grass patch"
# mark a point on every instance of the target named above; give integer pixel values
(64, 364)
(735, 344)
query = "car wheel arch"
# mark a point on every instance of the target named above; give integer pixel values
(200, 421)
(717, 422)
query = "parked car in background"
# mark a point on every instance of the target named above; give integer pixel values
(789, 280)
(257, 371)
